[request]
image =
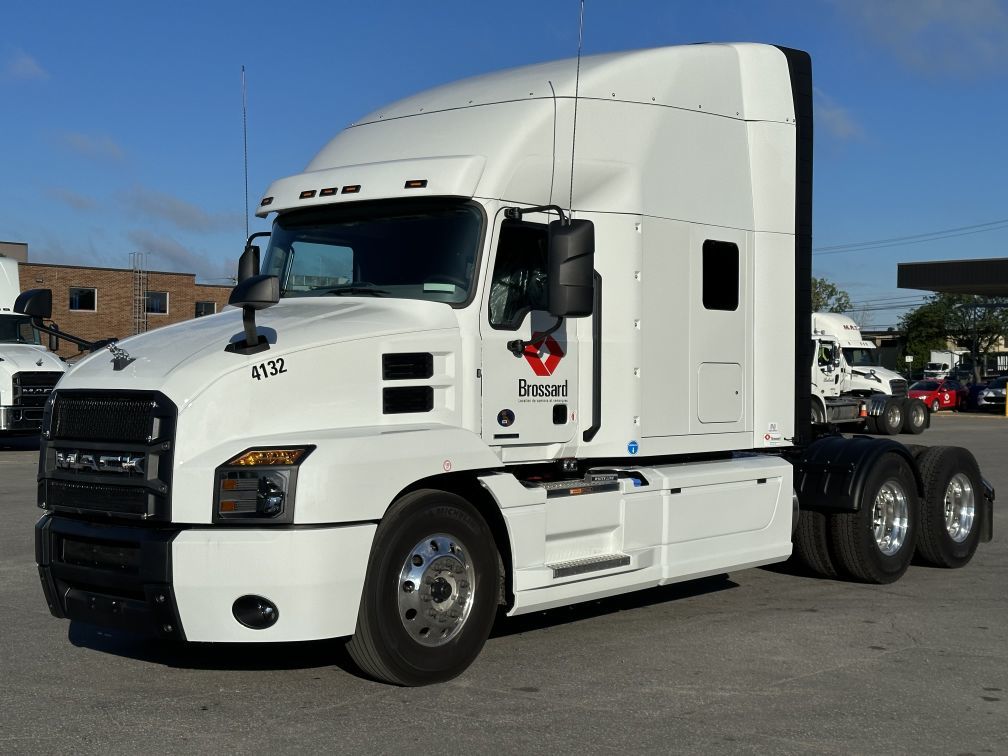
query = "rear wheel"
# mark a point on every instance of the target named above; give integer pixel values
(875, 544)
(935, 405)
(950, 512)
(916, 417)
(890, 421)
(811, 544)
(430, 595)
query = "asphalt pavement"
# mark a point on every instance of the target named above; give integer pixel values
(759, 661)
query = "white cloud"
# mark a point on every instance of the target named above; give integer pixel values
(179, 213)
(72, 199)
(97, 147)
(962, 37)
(21, 66)
(165, 253)
(834, 118)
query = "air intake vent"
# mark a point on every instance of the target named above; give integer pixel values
(407, 399)
(404, 366)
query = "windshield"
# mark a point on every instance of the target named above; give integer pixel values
(860, 357)
(409, 251)
(924, 386)
(17, 329)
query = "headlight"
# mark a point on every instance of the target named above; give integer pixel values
(258, 485)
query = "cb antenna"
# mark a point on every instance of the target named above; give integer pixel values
(577, 82)
(245, 145)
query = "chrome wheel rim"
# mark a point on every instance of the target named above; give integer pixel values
(917, 417)
(960, 507)
(890, 517)
(436, 585)
(894, 415)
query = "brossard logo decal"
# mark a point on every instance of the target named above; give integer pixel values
(544, 358)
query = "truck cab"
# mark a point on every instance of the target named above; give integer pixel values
(28, 370)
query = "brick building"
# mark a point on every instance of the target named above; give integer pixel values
(99, 303)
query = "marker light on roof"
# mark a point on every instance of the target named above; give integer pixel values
(307, 194)
(352, 189)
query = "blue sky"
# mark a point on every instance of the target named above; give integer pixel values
(121, 125)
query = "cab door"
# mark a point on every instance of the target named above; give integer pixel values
(529, 395)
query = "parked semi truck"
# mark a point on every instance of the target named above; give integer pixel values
(851, 389)
(28, 371)
(478, 369)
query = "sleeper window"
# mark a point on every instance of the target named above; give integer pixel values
(720, 275)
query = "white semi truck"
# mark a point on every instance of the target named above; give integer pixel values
(851, 388)
(480, 369)
(28, 371)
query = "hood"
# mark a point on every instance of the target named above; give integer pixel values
(16, 358)
(884, 373)
(183, 359)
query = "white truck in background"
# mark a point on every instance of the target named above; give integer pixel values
(445, 394)
(28, 371)
(944, 363)
(850, 387)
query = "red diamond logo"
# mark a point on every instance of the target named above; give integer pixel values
(545, 357)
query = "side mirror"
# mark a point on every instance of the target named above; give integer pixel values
(571, 268)
(248, 263)
(35, 303)
(53, 338)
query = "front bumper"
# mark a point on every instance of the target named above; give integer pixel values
(182, 583)
(20, 419)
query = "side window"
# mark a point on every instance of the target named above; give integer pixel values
(519, 277)
(720, 275)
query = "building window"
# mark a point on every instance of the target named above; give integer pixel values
(205, 308)
(83, 299)
(157, 302)
(720, 275)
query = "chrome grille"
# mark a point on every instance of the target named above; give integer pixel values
(31, 389)
(898, 387)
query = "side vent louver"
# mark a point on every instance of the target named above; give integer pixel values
(407, 399)
(404, 366)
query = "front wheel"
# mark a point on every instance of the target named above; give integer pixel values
(875, 544)
(430, 595)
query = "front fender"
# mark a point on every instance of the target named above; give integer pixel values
(353, 474)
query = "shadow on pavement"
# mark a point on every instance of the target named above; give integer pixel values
(317, 654)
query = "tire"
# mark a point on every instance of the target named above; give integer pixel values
(431, 592)
(818, 416)
(871, 425)
(890, 422)
(811, 544)
(916, 417)
(951, 512)
(876, 543)
(935, 405)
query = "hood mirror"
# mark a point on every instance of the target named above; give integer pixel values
(251, 294)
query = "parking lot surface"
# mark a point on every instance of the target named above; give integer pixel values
(760, 661)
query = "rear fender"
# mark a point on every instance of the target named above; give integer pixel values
(831, 473)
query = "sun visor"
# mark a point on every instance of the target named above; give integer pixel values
(453, 176)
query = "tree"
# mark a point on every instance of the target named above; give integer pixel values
(976, 323)
(925, 330)
(827, 297)
(972, 322)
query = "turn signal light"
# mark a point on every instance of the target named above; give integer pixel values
(272, 457)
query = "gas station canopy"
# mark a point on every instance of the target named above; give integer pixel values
(985, 277)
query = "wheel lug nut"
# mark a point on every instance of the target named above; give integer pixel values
(408, 586)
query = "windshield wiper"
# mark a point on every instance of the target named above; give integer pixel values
(361, 287)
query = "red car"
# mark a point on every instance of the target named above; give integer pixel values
(940, 394)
